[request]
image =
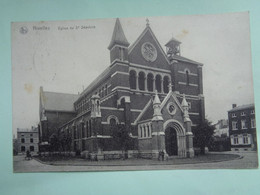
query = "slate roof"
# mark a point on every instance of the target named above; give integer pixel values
(242, 107)
(148, 114)
(181, 58)
(118, 36)
(54, 101)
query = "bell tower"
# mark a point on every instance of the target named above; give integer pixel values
(119, 45)
(173, 48)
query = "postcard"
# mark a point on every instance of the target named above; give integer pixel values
(169, 92)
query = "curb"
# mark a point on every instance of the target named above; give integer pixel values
(150, 164)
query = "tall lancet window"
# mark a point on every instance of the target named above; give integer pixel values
(158, 80)
(150, 82)
(141, 81)
(187, 77)
(132, 79)
(166, 84)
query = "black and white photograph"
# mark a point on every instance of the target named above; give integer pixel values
(148, 93)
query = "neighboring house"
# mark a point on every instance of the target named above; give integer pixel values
(222, 129)
(156, 96)
(55, 110)
(28, 140)
(242, 127)
(15, 146)
(220, 141)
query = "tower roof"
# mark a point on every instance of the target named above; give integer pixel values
(118, 36)
(184, 102)
(156, 98)
(172, 41)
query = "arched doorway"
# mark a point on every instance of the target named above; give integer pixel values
(175, 139)
(171, 142)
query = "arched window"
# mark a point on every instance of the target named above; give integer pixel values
(112, 122)
(150, 82)
(102, 93)
(148, 131)
(99, 92)
(106, 90)
(187, 77)
(32, 148)
(158, 80)
(132, 79)
(166, 84)
(87, 129)
(90, 128)
(141, 80)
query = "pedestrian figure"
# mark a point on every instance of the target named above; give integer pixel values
(28, 155)
(162, 153)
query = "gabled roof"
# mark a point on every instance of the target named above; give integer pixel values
(118, 36)
(168, 96)
(53, 101)
(242, 107)
(154, 37)
(147, 107)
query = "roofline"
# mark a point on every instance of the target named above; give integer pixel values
(95, 82)
(70, 111)
(242, 108)
(61, 93)
(188, 60)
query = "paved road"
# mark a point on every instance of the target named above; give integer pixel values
(247, 160)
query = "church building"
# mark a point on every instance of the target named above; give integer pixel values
(155, 95)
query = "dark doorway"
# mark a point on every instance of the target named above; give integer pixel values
(171, 144)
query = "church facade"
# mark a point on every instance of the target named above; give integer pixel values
(155, 96)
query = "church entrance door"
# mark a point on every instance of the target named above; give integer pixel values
(171, 144)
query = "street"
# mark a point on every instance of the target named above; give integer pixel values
(246, 160)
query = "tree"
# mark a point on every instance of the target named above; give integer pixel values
(203, 135)
(122, 137)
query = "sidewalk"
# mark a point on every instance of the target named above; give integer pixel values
(208, 158)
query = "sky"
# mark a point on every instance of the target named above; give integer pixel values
(66, 56)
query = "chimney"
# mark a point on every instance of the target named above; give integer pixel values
(234, 105)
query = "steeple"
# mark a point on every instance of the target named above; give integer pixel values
(185, 107)
(119, 45)
(157, 115)
(118, 37)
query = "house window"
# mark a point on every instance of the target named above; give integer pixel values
(234, 115)
(252, 111)
(235, 140)
(243, 124)
(252, 123)
(243, 114)
(22, 149)
(31, 134)
(234, 125)
(31, 140)
(245, 139)
(32, 148)
(22, 140)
